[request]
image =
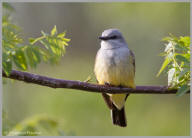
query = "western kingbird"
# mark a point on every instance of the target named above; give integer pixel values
(115, 66)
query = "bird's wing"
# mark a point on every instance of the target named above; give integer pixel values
(133, 60)
(107, 100)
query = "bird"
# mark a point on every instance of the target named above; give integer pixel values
(115, 66)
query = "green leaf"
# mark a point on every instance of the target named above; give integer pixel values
(185, 40)
(183, 72)
(163, 54)
(165, 63)
(182, 90)
(66, 39)
(45, 43)
(64, 43)
(31, 40)
(54, 31)
(20, 60)
(7, 64)
(61, 35)
(37, 54)
(33, 55)
(29, 54)
(181, 48)
(187, 56)
(167, 39)
(182, 58)
(88, 79)
(44, 54)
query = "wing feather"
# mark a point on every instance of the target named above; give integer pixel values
(133, 60)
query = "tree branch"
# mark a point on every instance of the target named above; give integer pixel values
(78, 85)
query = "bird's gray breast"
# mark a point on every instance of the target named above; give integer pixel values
(116, 58)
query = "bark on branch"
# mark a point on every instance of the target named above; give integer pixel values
(78, 85)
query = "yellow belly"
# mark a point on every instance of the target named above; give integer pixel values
(115, 75)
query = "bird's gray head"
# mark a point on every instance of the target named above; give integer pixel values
(112, 38)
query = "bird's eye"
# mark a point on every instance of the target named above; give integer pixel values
(113, 37)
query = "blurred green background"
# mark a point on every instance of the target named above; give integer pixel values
(83, 113)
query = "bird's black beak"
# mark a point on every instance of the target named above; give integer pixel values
(103, 38)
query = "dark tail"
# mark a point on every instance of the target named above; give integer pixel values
(118, 117)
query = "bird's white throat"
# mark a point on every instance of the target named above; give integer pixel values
(112, 44)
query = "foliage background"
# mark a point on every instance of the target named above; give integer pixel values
(82, 113)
